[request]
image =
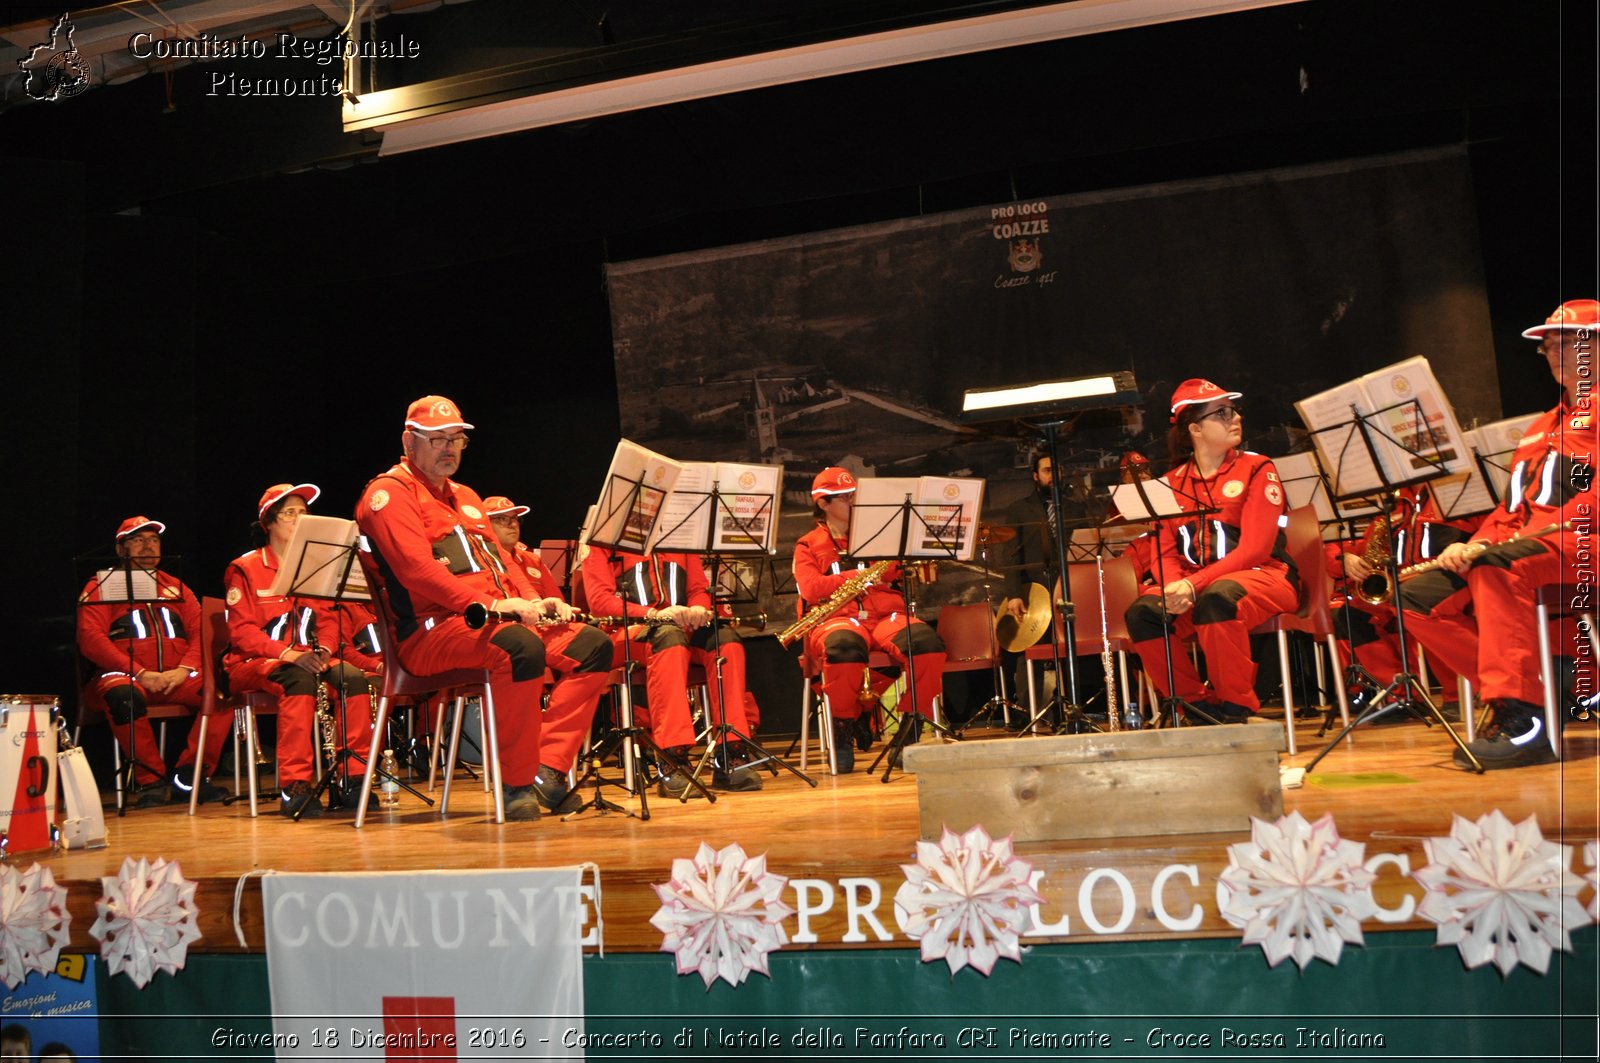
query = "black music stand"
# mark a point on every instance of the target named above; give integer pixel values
(1157, 516)
(631, 509)
(741, 535)
(119, 577)
(327, 578)
(1405, 690)
(941, 540)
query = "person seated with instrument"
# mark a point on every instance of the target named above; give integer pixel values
(432, 555)
(1364, 628)
(578, 654)
(1472, 607)
(147, 652)
(1028, 559)
(846, 615)
(1226, 568)
(291, 648)
(663, 600)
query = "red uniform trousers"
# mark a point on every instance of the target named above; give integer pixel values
(297, 712)
(841, 679)
(671, 652)
(574, 694)
(1377, 649)
(449, 645)
(1225, 640)
(138, 739)
(1495, 644)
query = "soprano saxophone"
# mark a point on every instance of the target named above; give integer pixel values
(846, 593)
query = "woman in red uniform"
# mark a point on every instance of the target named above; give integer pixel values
(271, 649)
(1224, 571)
(876, 620)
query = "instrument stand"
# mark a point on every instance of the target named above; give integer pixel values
(1356, 675)
(722, 732)
(1405, 686)
(625, 742)
(1000, 701)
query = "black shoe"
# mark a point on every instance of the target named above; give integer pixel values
(1515, 738)
(740, 777)
(550, 787)
(1229, 712)
(522, 803)
(844, 752)
(863, 731)
(151, 797)
(419, 755)
(297, 797)
(179, 792)
(350, 796)
(676, 783)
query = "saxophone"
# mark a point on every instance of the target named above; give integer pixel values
(847, 592)
(1375, 589)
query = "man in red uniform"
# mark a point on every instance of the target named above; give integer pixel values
(433, 554)
(289, 647)
(1540, 535)
(1225, 571)
(145, 652)
(578, 654)
(875, 620)
(672, 588)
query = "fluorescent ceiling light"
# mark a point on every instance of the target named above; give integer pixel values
(1034, 394)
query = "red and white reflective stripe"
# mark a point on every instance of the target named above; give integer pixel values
(1400, 542)
(1547, 485)
(672, 583)
(276, 629)
(1514, 494)
(166, 622)
(306, 620)
(466, 548)
(1424, 550)
(372, 638)
(641, 586)
(136, 618)
(1188, 544)
(1222, 540)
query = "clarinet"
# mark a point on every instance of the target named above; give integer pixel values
(325, 725)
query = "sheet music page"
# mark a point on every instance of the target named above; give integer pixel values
(1462, 495)
(1427, 425)
(1129, 503)
(949, 508)
(316, 558)
(112, 584)
(877, 519)
(747, 511)
(686, 514)
(1345, 458)
(620, 519)
(1302, 484)
(1496, 442)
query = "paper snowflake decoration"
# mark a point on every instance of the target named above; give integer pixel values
(1500, 893)
(147, 920)
(1591, 856)
(720, 915)
(1297, 889)
(33, 923)
(966, 899)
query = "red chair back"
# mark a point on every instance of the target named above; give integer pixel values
(1121, 588)
(398, 682)
(1304, 541)
(968, 633)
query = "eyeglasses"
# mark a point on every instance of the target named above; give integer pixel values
(1222, 413)
(147, 539)
(505, 518)
(825, 499)
(442, 442)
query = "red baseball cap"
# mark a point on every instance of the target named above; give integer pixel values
(1196, 390)
(833, 481)
(277, 492)
(434, 412)
(500, 506)
(134, 525)
(1571, 315)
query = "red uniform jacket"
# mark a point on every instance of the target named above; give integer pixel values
(526, 571)
(1552, 476)
(1244, 533)
(268, 625)
(819, 571)
(356, 625)
(432, 553)
(162, 636)
(621, 587)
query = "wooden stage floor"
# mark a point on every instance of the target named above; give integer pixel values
(847, 839)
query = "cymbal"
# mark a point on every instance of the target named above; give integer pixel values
(1017, 635)
(995, 533)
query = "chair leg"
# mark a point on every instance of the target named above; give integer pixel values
(437, 753)
(380, 722)
(491, 755)
(1464, 699)
(1547, 676)
(1288, 689)
(825, 732)
(1423, 677)
(198, 766)
(1033, 691)
(1338, 681)
(455, 749)
(805, 722)
(250, 759)
(1127, 688)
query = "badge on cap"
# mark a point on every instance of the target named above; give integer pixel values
(379, 499)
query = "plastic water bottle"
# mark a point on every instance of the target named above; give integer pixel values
(388, 787)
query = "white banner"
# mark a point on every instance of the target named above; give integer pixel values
(426, 965)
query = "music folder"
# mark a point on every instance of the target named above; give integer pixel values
(321, 561)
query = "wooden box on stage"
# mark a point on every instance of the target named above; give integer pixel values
(1185, 780)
